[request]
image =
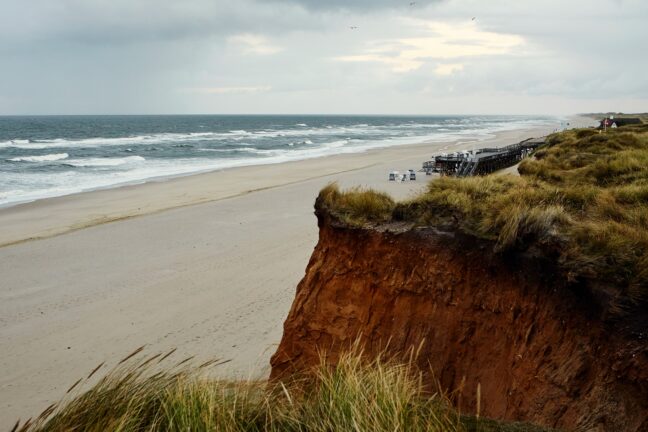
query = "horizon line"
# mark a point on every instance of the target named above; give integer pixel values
(306, 114)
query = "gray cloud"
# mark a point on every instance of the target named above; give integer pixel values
(96, 22)
(360, 5)
(153, 56)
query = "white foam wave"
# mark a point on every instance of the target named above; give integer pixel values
(217, 150)
(22, 144)
(303, 142)
(104, 162)
(336, 144)
(117, 141)
(43, 158)
(162, 138)
(264, 152)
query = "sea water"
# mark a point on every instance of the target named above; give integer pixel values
(46, 156)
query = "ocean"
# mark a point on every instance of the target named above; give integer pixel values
(47, 156)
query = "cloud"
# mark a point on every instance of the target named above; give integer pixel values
(253, 44)
(52, 23)
(366, 6)
(230, 90)
(116, 56)
(397, 63)
(439, 41)
(448, 69)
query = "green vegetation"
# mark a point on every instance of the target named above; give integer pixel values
(356, 395)
(583, 196)
(358, 206)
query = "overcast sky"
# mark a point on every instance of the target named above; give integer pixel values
(323, 56)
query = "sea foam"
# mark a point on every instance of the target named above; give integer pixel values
(43, 158)
(104, 162)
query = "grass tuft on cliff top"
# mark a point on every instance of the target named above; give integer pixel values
(354, 395)
(358, 206)
(584, 194)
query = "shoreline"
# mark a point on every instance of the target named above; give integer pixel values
(216, 165)
(247, 164)
(182, 189)
(209, 266)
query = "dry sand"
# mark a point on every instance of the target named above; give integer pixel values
(207, 264)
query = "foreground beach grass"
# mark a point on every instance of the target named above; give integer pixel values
(144, 394)
(583, 196)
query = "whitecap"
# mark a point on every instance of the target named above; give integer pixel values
(336, 144)
(117, 141)
(42, 158)
(303, 142)
(104, 162)
(22, 144)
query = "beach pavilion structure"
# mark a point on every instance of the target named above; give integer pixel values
(611, 122)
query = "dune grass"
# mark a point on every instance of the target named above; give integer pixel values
(144, 394)
(358, 206)
(584, 194)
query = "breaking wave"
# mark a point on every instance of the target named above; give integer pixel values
(43, 158)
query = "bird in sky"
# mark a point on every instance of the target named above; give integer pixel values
(353, 27)
(474, 18)
(412, 3)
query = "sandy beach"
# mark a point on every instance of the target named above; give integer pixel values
(207, 264)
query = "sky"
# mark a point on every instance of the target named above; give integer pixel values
(323, 57)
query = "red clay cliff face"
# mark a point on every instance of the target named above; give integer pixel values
(511, 324)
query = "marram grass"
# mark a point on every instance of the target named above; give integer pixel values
(584, 196)
(156, 393)
(358, 206)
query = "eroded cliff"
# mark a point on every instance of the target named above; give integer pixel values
(512, 324)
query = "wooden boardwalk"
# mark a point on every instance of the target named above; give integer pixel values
(482, 161)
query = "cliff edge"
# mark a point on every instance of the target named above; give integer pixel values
(512, 324)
